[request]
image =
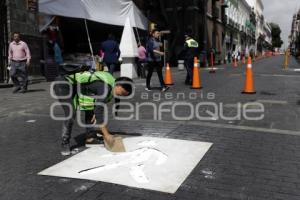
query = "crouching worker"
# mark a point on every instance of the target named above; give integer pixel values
(89, 92)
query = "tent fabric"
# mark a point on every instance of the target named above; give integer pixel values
(45, 21)
(113, 12)
(128, 45)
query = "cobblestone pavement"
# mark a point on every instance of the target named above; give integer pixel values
(248, 159)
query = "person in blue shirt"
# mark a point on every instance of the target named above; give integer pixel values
(154, 58)
(57, 54)
(112, 53)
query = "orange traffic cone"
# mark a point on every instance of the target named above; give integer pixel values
(249, 85)
(168, 76)
(235, 63)
(196, 76)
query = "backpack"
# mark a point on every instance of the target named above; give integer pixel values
(72, 68)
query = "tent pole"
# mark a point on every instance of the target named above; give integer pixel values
(137, 32)
(89, 39)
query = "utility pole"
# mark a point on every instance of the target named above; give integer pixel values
(4, 34)
(204, 51)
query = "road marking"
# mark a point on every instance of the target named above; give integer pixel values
(265, 101)
(214, 68)
(142, 84)
(293, 70)
(31, 121)
(246, 128)
(279, 75)
(240, 105)
(160, 164)
(227, 126)
(236, 74)
(231, 105)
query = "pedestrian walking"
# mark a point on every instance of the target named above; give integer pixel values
(154, 57)
(141, 60)
(112, 53)
(55, 50)
(229, 57)
(190, 51)
(97, 88)
(19, 60)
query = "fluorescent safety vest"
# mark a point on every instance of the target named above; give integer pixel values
(86, 102)
(191, 43)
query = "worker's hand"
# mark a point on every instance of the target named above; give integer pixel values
(28, 63)
(109, 138)
(94, 121)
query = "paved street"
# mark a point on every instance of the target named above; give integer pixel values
(249, 160)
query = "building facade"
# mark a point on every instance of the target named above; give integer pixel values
(268, 36)
(178, 17)
(295, 34)
(215, 29)
(226, 27)
(240, 31)
(260, 23)
(203, 17)
(247, 28)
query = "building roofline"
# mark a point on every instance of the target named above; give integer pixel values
(246, 4)
(261, 3)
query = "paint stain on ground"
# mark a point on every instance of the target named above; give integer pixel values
(84, 187)
(135, 160)
(63, 180)
(208, 174)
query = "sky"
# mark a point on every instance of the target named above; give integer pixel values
(280, 12)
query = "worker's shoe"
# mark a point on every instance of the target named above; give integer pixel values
(23, 90)
(90, 142)
(65, 148)
(16, 90)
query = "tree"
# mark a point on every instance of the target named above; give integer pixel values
(276, 38)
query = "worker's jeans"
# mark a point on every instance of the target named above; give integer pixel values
(17, 71)
(63, 90)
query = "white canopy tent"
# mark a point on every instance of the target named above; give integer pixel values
(129, 50)
(113, 12)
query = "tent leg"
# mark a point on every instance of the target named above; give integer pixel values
(89, 39)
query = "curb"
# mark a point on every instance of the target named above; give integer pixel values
(6, 85)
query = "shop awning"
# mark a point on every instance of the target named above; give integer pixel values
(113, 12)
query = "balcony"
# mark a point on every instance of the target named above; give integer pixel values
(224, 4)
(225, 19)
(216, 13)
